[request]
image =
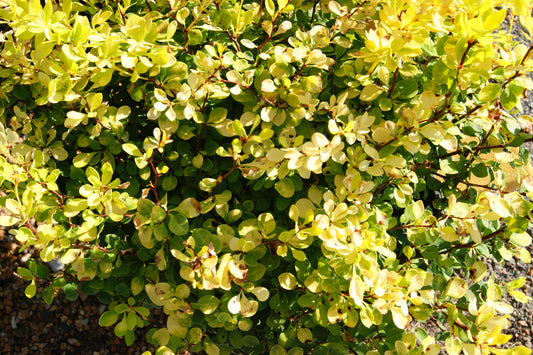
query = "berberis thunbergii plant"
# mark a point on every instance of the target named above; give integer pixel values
(280, 177)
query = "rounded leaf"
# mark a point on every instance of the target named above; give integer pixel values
(287, 281)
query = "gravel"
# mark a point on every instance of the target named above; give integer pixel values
(29, 326)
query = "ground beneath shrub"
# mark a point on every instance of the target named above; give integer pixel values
(30, 326)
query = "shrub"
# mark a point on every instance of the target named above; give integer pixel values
(283, 177)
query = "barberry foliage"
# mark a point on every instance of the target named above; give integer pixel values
(280, 177)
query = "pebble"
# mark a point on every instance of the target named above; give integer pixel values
(14, 322)
(24, 259)
(56, 265)
(73, 341)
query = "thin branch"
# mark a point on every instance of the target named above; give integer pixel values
(234, 40)
(313, 13)
(148, 5)
(472, 243)
(87, 247)
(393, 85)
(153, 186)
(479, 148)
(121, 13)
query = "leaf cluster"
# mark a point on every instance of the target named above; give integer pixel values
(280, 177)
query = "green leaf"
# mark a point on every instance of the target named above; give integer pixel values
(190, 207)
(456, 288)
(83, 159)
(285, 187)
(520, 296)
(108, 318)
(107, 173)
(370, 92)
(178, 223)
(25, 273)
(122, 290)
(144, 207)
(249, 341)
(131, 319)
(121, 328)
(270, 8)
(169, 183)
(131, 149)
(30, 289)
(71, 291)
(8, 221)
(217, 115)
(287, 281)
(161, 337)
(48, 295)
(129, 338)
(207, 304)
(521, 239)
(489, 92)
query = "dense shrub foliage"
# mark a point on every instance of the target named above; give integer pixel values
(279, 176)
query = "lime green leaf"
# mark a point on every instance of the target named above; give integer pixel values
(131, 149)
(31, 289)
(8, 221)
(108, 318)
(520, 296)
(178, 223)
(370, 92)
(175, 328)
(277, 350)
(489, 92)
(189, 207)
(161, 337)
(270, 8)
(137, 285)
(217, 115)
(210, 347)
(287, 281)
(501, 206)
(102, 77)
(107, 173)
(25, 273)
(521, 239)
(82, 159)
(516, 283)
(285, 187)
(207, 304)
(453, 346)
(456, 288)
(304, 335)
(74, 118)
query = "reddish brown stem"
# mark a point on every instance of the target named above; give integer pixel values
(472, 243)
(154, 185)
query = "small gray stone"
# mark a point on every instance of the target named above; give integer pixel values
(56, 265)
